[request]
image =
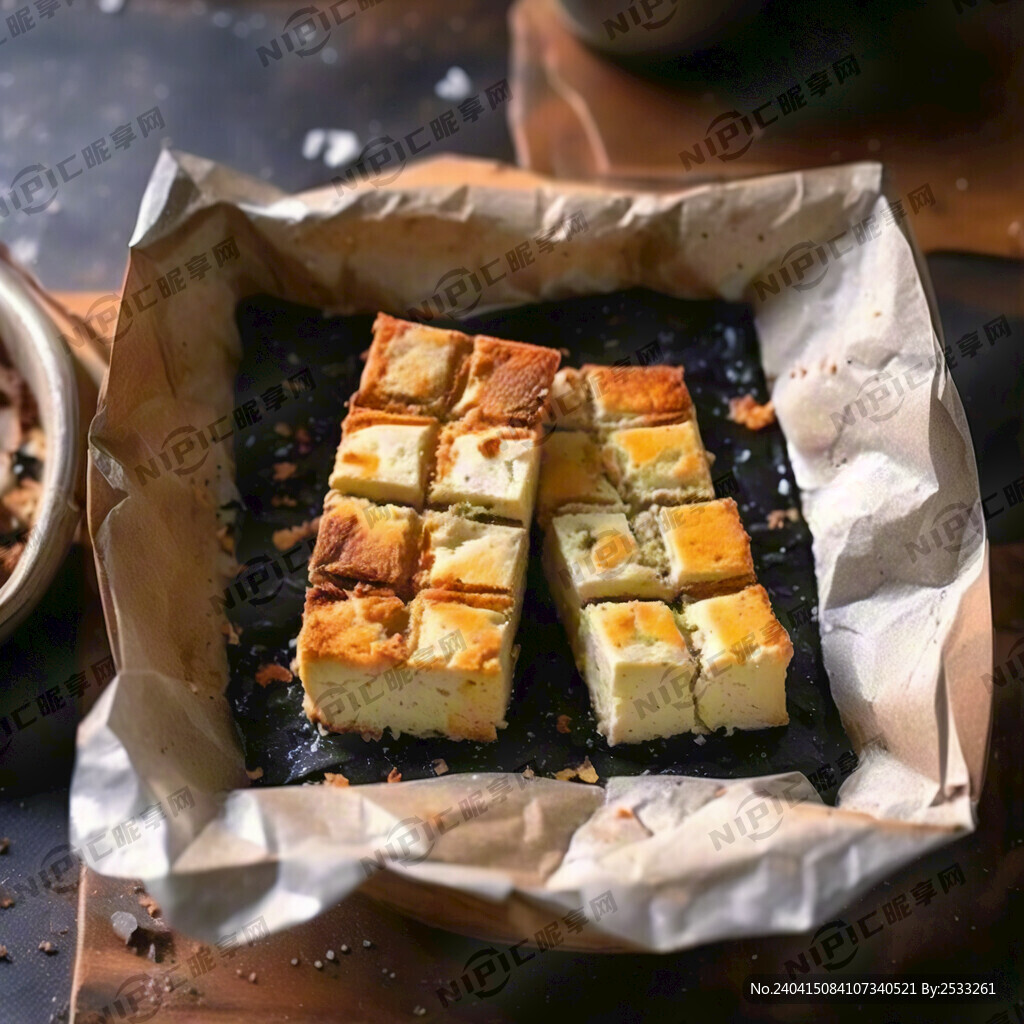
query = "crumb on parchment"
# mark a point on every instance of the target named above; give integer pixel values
(747, 412)
(335, 779)
(394, 775)
(584, 772)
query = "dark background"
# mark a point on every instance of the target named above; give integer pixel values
(75, 77)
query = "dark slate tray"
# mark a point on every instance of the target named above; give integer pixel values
(716, 342)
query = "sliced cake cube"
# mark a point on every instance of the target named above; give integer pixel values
(569, 406)
(572, 476)
(385, 458)
(359, 541)
(744, 653)
(596, 556)
(412, 368)
(350, 644)
(459, 677)
(636, 396)
(493, 468)
(463, 554)
(639, 671)
(508, 382)
(664, 465)
(706, 544)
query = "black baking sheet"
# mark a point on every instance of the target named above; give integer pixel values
(717, 345)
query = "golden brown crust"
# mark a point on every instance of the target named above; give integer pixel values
(412, 368)
(641, 394)
(489, 444)
(477, 641)
(749, 413)
(709, 536)
(362, 627)
(508, 381)
(362, 541)
(360, 418)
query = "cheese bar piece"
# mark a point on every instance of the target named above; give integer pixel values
(569, 406)
(508, 382)
(385, 458)
(572, 476)
(596, 556)
(361, 542)
(707, 546)
(349, 643)
(459, 677)
(659, 465)
(494, 468)
(744, 653)
(463, 554)
(412, 368)
(636, 396)
(639, 671)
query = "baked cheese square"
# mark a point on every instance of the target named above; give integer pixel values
(572, 476)
(412, 368)
(744, 653)
(664, 465)
(639, 671)
(349, 643)
(458, 680)
(385, 458)
(492, 468)
(569, 405)
(635, 396)
(706, 545)
(508, 382)
(358, 541)
(596, 556)
(463, 554)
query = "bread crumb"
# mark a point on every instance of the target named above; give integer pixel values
(47, 947)
(283, 429)
(566, 775)
(4, 954)
(6, 902)
(335, 779)
(529, 773)
(778, 517)
(291, 535)
(5, 845)
(226, 539)
(587, 772)
(284, 470)
(394, 775)
(150, 905)
(231, 631)
(624, 812)
(273, 673)
(562, 725)
(440, 766)
(277, 500)
(256, 773)
(747, 412)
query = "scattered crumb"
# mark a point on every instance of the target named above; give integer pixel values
(150, 905)
(284, 470)
(562, 725)
(295, 961)
(367, 944)
(304, 439)
(419, 1011)
(5, 845)
(252, 978)
(345, 949)
(329, 954)
(256, 773)
(440, 766)
(4, 955)
(47, 947)
(529, 773)
(318, 964)
(746, 411)
(566, 775)
(6, 903)
(279, 500)
(227, 541)
(335, 779)
(587, 772)
(231, 631)
(394, 775)
(273, 673)
(285, 431)
(624, 812)
(372, 735)
(291, 535)
(125, 925)
(778, 517)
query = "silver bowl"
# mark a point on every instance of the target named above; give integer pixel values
(39, 354)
